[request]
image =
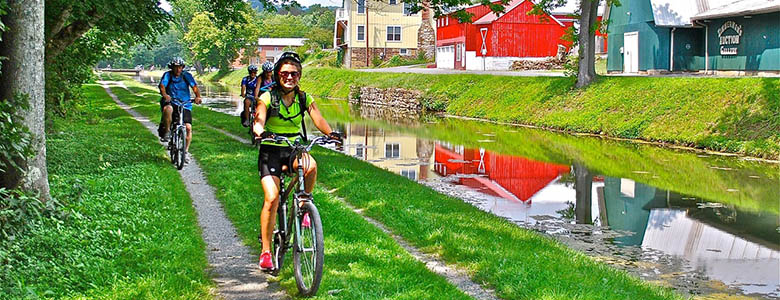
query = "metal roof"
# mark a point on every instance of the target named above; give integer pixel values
(293, 42)
(675, 13)
(491, 17)
(740, 8)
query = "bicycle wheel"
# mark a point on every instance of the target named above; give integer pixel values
(279, 248)
(309, 251)
(180, 143)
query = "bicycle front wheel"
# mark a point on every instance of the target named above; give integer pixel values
(309, 250)
(181, 135)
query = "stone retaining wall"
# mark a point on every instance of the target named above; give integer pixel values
(392, 104)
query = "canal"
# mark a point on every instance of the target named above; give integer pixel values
(700, 223)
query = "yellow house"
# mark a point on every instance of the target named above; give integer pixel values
(386, 27)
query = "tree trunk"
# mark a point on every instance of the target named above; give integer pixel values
(587, 42)
(583, 185)
(23, 74)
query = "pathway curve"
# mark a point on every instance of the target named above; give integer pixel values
(456, 277)
(233, 266)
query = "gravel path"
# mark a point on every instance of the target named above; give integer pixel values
(234, 268)
(456, 277)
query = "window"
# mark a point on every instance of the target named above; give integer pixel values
(361, 33)
(446, 21)
(361, 6)
(407, 9)
(411, 174)
(394, 33)
(276, 48)
(393, 2)
(457, 52)
(393, 150)
(359, 148)
(404, 51)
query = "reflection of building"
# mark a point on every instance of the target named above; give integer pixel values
(506, 176)
(402, 154)
(627, 205)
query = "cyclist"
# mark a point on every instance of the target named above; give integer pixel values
(176, 83)
(267, 76)
(249, 88)
(280, 112)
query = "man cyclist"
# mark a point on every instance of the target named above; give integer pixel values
(250, 87)
(280, 111)
(176, 84)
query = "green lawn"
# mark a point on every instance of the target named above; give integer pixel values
(132, 232)
(518, 263)
(361, 262)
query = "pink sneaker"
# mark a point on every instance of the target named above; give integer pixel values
(306, 221)
(266, 263)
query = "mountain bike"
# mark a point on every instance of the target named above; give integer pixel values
(291, 230)
(176, 145)
(251, 118)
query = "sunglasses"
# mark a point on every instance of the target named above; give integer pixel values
(286, 74)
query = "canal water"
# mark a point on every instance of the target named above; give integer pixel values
(706, 225)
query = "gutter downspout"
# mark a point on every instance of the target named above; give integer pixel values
(706, 46)
(671, 51)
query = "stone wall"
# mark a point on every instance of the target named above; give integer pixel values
(426, 35)
(391, 104)
(358, 57)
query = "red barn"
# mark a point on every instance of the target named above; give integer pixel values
(493, 42)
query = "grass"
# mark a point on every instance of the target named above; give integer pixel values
(132, 232)
(517, 263)
(361, 262)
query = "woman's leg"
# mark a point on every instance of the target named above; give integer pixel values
(270, 185)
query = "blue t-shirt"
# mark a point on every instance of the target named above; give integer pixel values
(250, 84)
(178, 87)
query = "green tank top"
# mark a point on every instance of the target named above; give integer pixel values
(279, 125)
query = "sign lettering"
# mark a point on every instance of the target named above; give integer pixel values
(728, 43)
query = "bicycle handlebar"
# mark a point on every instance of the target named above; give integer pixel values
(320, 140)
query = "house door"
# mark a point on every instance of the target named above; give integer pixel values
(631, 52)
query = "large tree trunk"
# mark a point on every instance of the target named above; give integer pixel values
(23, 74)
(587, 42)
(583, 185)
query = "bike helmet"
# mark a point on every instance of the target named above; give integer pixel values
(252, 68)
(268, 66)
(287, 56)
(176, 61)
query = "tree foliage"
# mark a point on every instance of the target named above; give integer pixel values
(215, 45)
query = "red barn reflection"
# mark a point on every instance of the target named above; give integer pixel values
(505, 176)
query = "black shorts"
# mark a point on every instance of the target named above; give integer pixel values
(187, 113)
(271, 159)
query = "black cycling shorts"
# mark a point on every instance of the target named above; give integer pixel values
(272, 158)
(187, 113)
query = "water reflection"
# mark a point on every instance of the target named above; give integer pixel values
(596, 213)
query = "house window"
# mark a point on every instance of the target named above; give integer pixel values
(457, 52)
(392, 150)
(359, 148)
(411, 174)
(276, 48)
(404, 51)
(394, 33)
(393, 2)
(446, 21)
(407, 9)
(361, 33)
(361, 6)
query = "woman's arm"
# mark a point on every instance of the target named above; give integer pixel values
(260, 112)
(318, 120)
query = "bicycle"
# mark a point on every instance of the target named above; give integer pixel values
(176, 145)
(251, 118)
(308, 241)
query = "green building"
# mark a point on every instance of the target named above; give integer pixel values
(658, 36)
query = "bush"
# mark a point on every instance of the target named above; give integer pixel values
(21, 212)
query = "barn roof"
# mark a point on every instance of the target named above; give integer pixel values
(491, 17)
(740, 8)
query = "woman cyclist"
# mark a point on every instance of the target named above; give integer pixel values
(267, 76)
(249, 88)
(280, 112)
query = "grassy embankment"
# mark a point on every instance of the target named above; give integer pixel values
(516, 262)
(361, 262)
(738, 115)
(132, 232)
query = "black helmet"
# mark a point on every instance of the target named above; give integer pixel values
(285, 57)
(268, 66)
(252, 68)
(176, 61)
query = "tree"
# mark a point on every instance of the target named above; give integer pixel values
(586, 34)
(22, 79)
(220, 46)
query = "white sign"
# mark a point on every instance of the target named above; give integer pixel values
(729, 43)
